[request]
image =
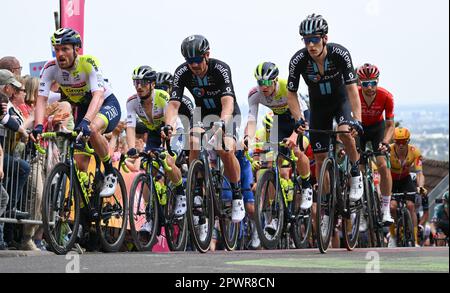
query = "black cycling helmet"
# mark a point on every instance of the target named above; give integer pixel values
(65, 36)
(164, 78)
(266, 71)
(144, 73)
(194, 46)
(314, 25)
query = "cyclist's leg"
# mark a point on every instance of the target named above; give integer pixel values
(357, 188)
(175, 174)
(105, 122)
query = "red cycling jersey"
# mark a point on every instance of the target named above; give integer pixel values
(383, 102)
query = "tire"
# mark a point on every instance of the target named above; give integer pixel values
(352, 217)
(141, 212)
(229, 230)
(326, 206)
(113, 212)
(265, 210)
(302, 226)
(56, 211)
(197, 216)
(378, 220)
(368, 212)
(408, 232)
(175, 227)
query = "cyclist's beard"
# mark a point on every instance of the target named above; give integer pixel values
(323, 48)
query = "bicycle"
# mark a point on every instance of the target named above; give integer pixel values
(281, 205)
(205, 185)
(158, 210)
(371, 199)
(71, 202)
(333, 202)
(405, 228)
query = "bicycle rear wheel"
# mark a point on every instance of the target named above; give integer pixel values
(326, 198)
(351, 215)
(61, 209)
(301, 228)
(144, 213)
(176, 227)
(229, 230)
(200, 213)
(269, 209)
(405, 230)
(113, 221)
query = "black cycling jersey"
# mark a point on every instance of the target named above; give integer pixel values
(338, 72)
(207, 91)
(327, 92)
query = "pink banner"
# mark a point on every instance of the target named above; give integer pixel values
(72, 15)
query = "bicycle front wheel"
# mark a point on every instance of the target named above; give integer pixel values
(405, 230)
(113, 222)
(269, 210)
(326, 198)
(61, 209)
(144, 213)
(176, 227)
(351, 216)
(200, 213)
(229, 230)
(301, 228)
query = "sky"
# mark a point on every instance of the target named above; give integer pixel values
(407, 40)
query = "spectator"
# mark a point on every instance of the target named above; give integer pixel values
(4, 198)
(12, 64)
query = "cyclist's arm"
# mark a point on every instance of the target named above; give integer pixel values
(45, 84)
(253, 107)
(389, 132)
(420, 179)
(172, 113)
(227, 108)
(294, 106)
(355, 102)
(131, 137)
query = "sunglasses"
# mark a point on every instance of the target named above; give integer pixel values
(197, 60)
(263, 82)
(372, 83)
(314, 40)
(401, 141)
(141, 82)
(162, 87)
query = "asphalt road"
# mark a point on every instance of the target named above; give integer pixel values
(398, 260)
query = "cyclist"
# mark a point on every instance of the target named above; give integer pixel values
(327, 69)
(83, 85)
(149, 104)
(272, 93)
(374, 101)
(263, 157)
(209, 81)
(403, 157)
(440, 217)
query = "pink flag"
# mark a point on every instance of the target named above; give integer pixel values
(72, 15)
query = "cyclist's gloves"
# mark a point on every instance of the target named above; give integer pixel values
(38, 129)
(356, 125)
(300, 123)
(132, 153)
(167, 129)
(84, 127)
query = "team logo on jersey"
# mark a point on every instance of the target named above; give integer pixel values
(198, 92)
(315, 77)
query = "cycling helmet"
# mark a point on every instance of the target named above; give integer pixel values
(194, 46)
(445, 196)
(314, 25)
(268, 120)
(164, 78)
(144, 73)
(368, 72)
(266, 71)
(401, 133)
(65, 36)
